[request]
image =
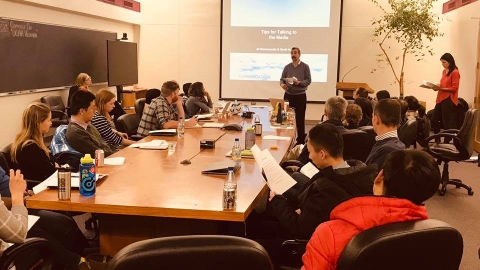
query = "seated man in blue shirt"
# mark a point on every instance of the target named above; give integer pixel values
(4, 186)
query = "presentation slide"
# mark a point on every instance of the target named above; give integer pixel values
(257, 37)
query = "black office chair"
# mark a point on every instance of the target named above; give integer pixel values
(407, 132)
(460, 149)
(210, 252)
(16, 254)
(59, 111)
(357, 144)
(7, 163)
(425, 244)
(128, 123)
(139, 105)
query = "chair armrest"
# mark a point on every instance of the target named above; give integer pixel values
(456, 141)
(290, 163)
(450, 131)
(59, 114)
(295, 242)
(16, 251)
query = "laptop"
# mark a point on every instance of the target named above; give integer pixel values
(275, 101)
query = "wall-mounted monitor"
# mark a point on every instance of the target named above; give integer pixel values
(122, 63)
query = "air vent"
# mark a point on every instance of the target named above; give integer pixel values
(128, 4)
(454, 4)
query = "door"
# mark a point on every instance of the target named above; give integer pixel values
(477, 93)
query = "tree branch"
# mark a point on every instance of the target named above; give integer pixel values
(388, 58)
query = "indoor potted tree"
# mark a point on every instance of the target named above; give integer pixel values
(411, 23)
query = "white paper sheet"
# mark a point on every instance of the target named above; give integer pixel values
(427, 84)
(213, 125)
(309, 170)
(278, 180)
(273, 137)
(257, 155)
(114, 161)
(52, 181)
(31, 221)
(203, 116)
(281, 127)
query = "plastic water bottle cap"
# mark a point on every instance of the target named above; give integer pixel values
(237, 139)
(230, 168)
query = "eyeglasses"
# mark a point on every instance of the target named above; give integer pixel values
(88, 79)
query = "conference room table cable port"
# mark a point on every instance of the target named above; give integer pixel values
(153, 195)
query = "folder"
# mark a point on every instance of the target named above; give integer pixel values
(221, 168)
(163, 132)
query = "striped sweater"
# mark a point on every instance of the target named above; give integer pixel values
(101, 123)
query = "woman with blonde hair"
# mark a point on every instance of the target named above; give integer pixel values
(82, 82)
(102, 121)
(28, 151)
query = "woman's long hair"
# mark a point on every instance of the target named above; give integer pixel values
(32, 117)
(101, 99)
(196, 90)
(449, 58)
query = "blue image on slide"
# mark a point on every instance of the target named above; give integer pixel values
(269, 67)
(280, 13)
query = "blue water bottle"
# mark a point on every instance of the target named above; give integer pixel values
(87, 176)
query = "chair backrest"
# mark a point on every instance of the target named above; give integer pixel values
(408, 131)
(17, 253)
(357, 144)
(425, 244)
(8, 158)
(128, 123)
(467, 132)
(139, 104)
(193, 252)
(54, 102)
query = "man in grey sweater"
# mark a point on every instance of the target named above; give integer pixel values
(294, 81)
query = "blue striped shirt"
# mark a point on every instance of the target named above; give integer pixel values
(101, 123)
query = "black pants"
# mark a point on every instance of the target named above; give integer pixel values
(63, 234)
(444, 115)
(299, 102)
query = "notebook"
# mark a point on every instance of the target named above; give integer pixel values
(244, 154)
(221, 168)
(52, 181)
(163, 132)
(153, 144)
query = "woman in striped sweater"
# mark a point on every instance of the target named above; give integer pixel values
(105, 101)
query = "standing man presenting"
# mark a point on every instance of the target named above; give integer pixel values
(294, 81)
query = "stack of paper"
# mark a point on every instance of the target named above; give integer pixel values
(204, 116)
(163, 132)
(428, 85)
(278, 180)
(153, 144)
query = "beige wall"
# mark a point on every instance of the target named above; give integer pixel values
(180, 39)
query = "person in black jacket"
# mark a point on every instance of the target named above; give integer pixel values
(336, 181)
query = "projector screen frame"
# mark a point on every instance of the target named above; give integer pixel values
(266, 100)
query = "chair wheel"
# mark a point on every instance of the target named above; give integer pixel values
(470, 192)
(441, 192)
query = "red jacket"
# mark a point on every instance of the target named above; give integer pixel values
(350, 218)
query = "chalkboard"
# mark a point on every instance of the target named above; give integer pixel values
(41, 56)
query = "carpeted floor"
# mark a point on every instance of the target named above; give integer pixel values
(461, 210)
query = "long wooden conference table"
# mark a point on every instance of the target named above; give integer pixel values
(153, 195)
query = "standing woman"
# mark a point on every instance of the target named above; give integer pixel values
(196, 102)
(28, 151)
(445, 112)
(82, 83)
(102, 121)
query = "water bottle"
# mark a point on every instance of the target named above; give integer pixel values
(286, 104)
(181, 128)
(230, 190)
(64, 183)
(236, 151)
(87, 174)
(279, 114)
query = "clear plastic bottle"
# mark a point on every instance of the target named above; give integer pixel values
(181, 128)
(230, 190)
(236, 151)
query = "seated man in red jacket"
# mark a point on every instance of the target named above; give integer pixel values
(408, 178)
